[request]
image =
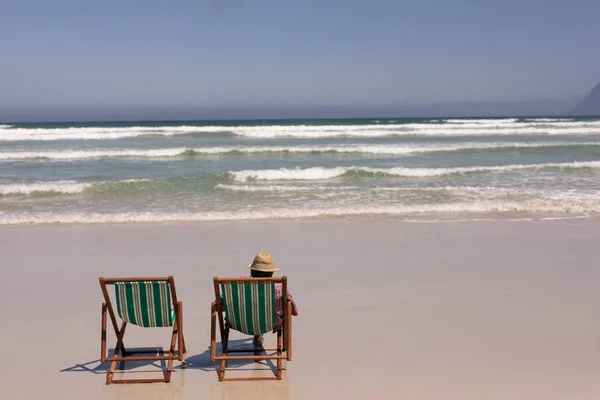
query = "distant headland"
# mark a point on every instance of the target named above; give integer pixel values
(591, 104)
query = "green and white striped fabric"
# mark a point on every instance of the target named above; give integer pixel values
(250, 306)
(146, 304)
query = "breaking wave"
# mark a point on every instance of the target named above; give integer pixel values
(282, 188)
(450, 127)
(64, 187)
(321, 173)
(10, 133)
(90, 154)
(241, 150)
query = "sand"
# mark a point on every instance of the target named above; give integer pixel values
(388, 310)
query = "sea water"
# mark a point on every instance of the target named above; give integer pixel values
(409, 169)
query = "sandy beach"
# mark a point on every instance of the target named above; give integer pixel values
(388, 310)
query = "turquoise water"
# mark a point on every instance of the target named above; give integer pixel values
(237, 170)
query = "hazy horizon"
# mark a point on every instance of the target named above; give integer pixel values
(183, 113)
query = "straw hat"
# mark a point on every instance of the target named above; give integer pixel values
(263, 262)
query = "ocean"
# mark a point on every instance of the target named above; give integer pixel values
(401, 169)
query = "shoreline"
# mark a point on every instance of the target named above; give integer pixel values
(501, 216)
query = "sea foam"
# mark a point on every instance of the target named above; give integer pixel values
(90, 133)
(67, 187)
(321, 173)
(534, 206)
(349, 148)
(59, 187)
(450, 127)
(90, 154)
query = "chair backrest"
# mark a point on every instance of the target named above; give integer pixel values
(145, 303)
(249, 304)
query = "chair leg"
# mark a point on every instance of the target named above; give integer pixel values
(286, 330)
(181, 343)
(285, 333)
(111, 372)
(174, 336)
(222, 370)
(279, 360)
(224, 343)
(213, 331)
(226, 339)
(119, 348)
(169, 370)
(103, 334)
(288, 324)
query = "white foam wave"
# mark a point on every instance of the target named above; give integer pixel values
(314, 173)
(474, 193)
(351, 148)
(311, 188)
(416, 129)
(321, 173)
(89, 154)
(534, 206)
(282, 188)
(549, 119)
(59, 187)
(5, 126)
(67, 187)
(477, 127)
(427, 172)
(91, 133)
(488, 121)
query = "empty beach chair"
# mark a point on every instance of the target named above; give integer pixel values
(248, 305)
(145, 302)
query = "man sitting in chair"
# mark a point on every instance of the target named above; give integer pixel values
(263, 267)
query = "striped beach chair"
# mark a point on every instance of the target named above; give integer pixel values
(148, 303)
(247, 305)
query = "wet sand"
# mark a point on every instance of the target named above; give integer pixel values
(388, 310)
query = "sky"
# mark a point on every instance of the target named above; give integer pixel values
(310, 53)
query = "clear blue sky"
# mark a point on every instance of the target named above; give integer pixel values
(303, 52)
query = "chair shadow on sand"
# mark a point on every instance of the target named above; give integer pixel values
(257, 368)
(123, 367)
(198, 361)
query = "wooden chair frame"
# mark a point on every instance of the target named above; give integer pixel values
(284, 336)
(176, 349)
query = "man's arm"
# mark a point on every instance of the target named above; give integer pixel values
(294, 306)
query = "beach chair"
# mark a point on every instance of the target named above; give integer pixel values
(247, 305)
(145, 302)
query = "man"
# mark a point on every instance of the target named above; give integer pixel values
(263, 267)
